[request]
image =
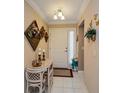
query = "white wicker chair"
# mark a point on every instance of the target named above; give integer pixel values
(34, 78)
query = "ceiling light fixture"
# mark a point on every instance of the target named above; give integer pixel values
(59, 15)
(55, 17)
(62, 18)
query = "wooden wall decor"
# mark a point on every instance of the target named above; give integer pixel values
(46, 36)
(33, 34)
(42, 32)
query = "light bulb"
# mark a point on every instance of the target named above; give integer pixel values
(60, 14)
(62, 18)
(55, 17)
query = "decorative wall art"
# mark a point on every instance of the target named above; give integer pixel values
(46, 36)
(42, 31)
(33, 34)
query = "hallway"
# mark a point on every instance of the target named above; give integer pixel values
(48, 26)
(62, 46)
(69, 85)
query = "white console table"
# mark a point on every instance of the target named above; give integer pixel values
(47, 66)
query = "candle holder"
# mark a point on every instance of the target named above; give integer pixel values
(35, 63)
(39, 57)
(39, 60)
(43, 56)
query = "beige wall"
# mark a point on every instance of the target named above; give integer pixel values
(29, 16)
(91, 50)
(81, 48)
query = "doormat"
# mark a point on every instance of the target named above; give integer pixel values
(62, 72)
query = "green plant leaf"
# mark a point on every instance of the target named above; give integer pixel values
(90, 33)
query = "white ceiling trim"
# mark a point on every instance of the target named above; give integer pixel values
(79, 15)
(37, 9)
(63, 22)
(82, 9)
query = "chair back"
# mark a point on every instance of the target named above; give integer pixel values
(34, 75)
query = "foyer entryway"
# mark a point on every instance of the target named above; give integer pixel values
(62, 46)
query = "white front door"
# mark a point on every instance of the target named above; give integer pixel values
(58, 45)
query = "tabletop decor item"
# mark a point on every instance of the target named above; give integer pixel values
(35, 63)
(33, 34)
(43, 55)
(39, 57)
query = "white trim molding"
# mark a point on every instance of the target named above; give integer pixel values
(37, 9)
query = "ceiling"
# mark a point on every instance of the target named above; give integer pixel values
(72, 9)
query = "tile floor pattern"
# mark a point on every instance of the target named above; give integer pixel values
(69, 85)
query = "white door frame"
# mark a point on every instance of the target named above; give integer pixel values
(67, 29)
(74, 45)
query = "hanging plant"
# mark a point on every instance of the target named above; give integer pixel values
(91, 34)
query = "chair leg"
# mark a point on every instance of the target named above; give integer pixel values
(27, 88)
(38, 86)
(40, 90)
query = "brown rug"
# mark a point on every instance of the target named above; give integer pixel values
(62, 72)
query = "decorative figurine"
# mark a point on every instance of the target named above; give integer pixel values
(43, 55)
(39, 57)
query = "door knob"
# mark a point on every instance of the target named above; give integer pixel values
(66, 49)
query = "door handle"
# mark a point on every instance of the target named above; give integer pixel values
(66, 49)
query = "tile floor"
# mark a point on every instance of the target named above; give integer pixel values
(69, 85)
